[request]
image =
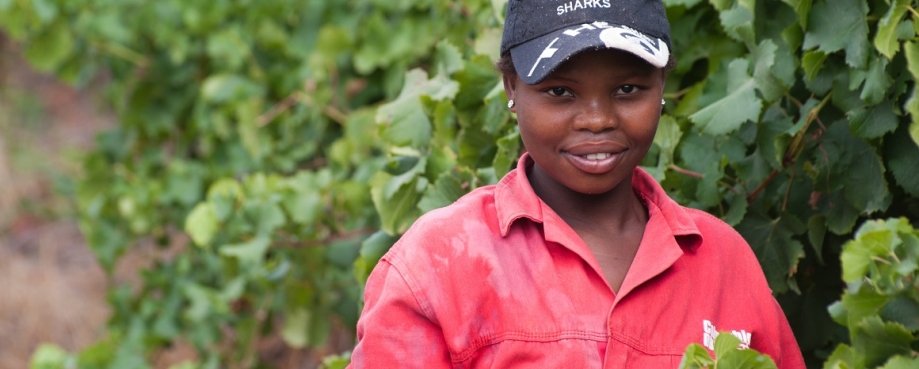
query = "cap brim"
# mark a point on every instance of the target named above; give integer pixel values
(539, 57)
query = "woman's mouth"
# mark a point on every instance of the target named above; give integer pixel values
(597, 156)
(595, 163)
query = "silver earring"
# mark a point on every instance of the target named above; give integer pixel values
(663, 102)
(510, 103)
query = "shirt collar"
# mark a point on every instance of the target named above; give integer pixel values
(515, 199)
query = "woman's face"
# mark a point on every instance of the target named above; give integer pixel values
(590, 123)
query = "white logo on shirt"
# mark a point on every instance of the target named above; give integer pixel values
(709, 333)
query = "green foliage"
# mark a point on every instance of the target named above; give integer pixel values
(294, 141)
(880, 305)
(728, 355)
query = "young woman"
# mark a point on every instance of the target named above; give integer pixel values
(577, 258)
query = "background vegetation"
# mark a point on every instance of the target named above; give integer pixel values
(290, 143)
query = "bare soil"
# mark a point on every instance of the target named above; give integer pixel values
(52, 289)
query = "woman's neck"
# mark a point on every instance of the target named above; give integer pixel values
(617, 209)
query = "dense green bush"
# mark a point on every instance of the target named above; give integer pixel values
(295, 140)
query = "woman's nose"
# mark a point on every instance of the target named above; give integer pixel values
(596, 116)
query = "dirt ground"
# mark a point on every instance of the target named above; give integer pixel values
(51, 286)
(52, 290)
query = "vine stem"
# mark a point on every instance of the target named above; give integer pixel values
(793, 151)
(685, 171)
(290, 101)
(260, 316)
(690, 173)
(123, 52)
(912, 10)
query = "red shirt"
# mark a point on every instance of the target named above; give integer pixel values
(499, 280)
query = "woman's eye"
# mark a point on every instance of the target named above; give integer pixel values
(558, 91)
(628, 89)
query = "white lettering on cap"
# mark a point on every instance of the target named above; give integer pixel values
(653, 51)
(581, 4)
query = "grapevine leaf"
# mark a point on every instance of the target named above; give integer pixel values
(342, 253)
(476, 79)
(201, 224)
(699, 154)
(747, 359)
(865, 186)
(268, 215)
(403, 178)
(303, 205)
(736, 211)
(767, 83)
(862, 304)
(51, 48)
(904, 310)
(223, 48)
(489, 43)
(444, 120)
(816, 232)
(812, 62)
(773, 242)
(404, 120)
(837, 26)
(721, 5)
(249, 253)
(740, 105)
(696, 356)
(372, 249)
(914, 126)
(725, 344)
(911, 49)
(667, 137)
(738, 23)
(855, 169)
(873, 122)
(687, 3)
(840, 215)
(296, 327)
(50, 356)
(223, 196)
(912, 106)
(449, 58)
(886, 38)
(397, 210)
(772, 139)
(45, 9)
(222, 88)
(902, 159)
(802, 8)
(900, 362)
(247, 128)
(507, 154)
(844, 357)
(880, 340)
(446, 189)
(876, 82)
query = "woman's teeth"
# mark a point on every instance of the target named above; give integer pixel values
(599, 156)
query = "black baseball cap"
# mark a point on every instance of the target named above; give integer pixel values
(541, 34)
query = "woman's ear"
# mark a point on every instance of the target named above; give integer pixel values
(510, 89)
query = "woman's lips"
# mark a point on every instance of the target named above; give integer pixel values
(594, 163)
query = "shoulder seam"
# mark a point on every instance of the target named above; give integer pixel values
(398, 265)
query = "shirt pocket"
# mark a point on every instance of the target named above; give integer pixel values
(520, 352)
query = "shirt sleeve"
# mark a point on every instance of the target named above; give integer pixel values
(393, 330)
(790, 356)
